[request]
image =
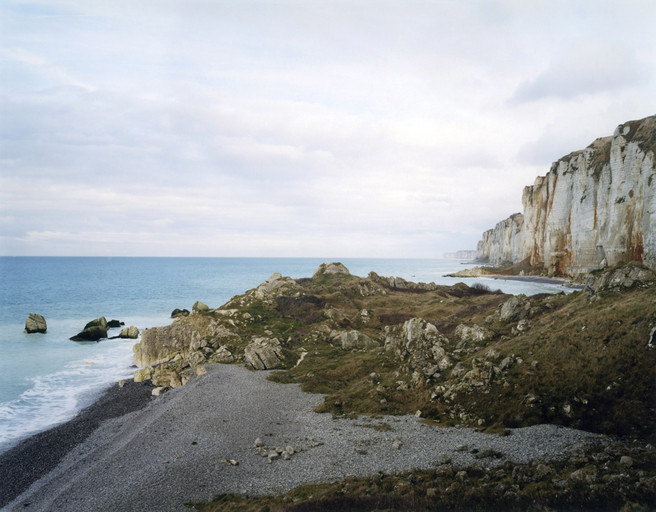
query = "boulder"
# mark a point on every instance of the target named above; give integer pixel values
(143, 374)
(352, 339)
(331, 269)
(179, 312)
(112, 324)
(516, 308)
(129, 332)
(472, 333)
(420, 343)
(276, 286)
(619, 279)
(199, 307)
(222, 355)
(93, 331)
(264, 353)
(35, 324)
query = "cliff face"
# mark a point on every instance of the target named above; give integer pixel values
(594, 208)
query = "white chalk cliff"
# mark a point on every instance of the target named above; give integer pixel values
(594, 208)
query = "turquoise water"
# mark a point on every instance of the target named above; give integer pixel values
(45, 378)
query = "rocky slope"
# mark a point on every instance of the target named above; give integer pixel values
(595, 208)
(456, 355)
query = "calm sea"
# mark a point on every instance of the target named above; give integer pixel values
(45, 378)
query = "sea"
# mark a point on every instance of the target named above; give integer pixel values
(45, 379)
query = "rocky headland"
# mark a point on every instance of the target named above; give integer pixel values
(454, 397)
(595, 208)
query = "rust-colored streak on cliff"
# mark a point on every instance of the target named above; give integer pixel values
(595, 207)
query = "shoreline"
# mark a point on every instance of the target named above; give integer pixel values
(173, 449)
(536, 279)
(38, 454)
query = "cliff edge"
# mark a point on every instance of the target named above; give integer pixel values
(594, 208)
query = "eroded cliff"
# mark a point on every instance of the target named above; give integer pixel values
(594, 208)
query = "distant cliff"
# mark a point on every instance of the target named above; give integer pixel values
(464, 254)
(594, 208)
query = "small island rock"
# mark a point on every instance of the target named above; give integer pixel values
(35, 324)
(179, 312)
(114, 323)
(93, 331)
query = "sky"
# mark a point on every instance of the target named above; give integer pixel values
(359, 128)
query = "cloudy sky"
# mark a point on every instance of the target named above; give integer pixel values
(370, 128)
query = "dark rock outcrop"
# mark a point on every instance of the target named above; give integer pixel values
(93, 331)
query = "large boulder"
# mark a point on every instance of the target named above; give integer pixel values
(93, 331)
(264, 353)
(113, 324)
(331, 269)
(472, 333)
(130, 333)
(622, 278)
(199, 307)
(420, 344)
(161, 344)
(515, 308)
(352, 339)
(276, 286)
(35, 324)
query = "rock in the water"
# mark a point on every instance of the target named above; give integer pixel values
(130, 332)
(331, 268)
(199, 307)
(264, 353)
(93, 331)
(112, 324)
(179, 312)
(35, 324)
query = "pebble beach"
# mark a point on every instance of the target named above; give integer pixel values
(132, 451)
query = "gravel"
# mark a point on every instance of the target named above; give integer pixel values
(178, 448)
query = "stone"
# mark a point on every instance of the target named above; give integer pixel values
(158, 391)
(164, 376)
(353, 339)
(93, 331)
(143, 374)
(419, 343)
(179, 312)
(264, 353)
(472, 333)
(443, 459)
(330, 269)
(618, 279)
(199, 307)
(506, 364)
(276, 286)
(201, 370)
(258, 443)
(514, 309)
(222, 355)
(627, 461)
(131, 332)
(113, 324)
(35, 324)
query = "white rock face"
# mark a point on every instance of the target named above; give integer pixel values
(594, 208)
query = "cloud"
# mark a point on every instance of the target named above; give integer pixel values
(352, 128)
(585, 68)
